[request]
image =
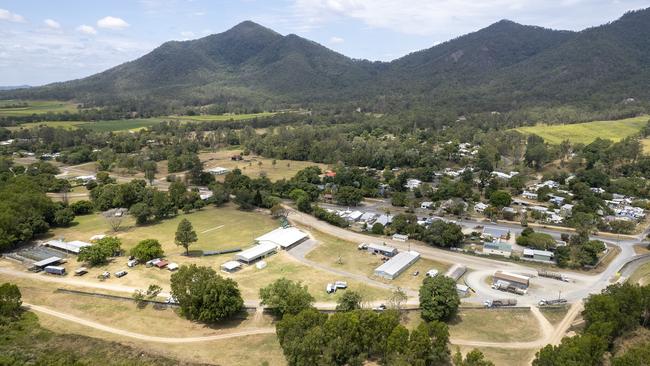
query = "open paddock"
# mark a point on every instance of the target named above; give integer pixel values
(495, 325)
(341, 254)
(587, 132)
(250, 165)
(34, 107)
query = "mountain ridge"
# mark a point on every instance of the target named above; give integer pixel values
(500, 65)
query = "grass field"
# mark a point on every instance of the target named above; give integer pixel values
(35, 107)
(217, 229)
(502, 357)
(221, 117)
(283, 169)
(137, 123)
(352, 260)
(495, 325)
(554, 314)
(589, 131)
(641, 275)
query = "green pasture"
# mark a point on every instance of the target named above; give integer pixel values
(587, 132)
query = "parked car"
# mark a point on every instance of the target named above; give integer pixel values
(330, 288)
(132, 263)
(341, 284)
(381, 307)
(119, 274)
(106, 274)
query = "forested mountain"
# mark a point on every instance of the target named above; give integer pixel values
(501, 67)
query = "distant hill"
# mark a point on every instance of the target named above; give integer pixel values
(10, 87)
(501, 67)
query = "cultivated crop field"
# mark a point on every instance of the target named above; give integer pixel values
(587, 132)
(34, 107)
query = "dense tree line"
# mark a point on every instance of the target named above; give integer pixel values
(25, 210)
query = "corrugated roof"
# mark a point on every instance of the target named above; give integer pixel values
(47, 261)
(512, 277)
(257, 251)
(283, 237)
(396, 264)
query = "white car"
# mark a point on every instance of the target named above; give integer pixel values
(341, 285)
(330, 288)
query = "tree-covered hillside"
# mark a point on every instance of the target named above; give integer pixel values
(505, 66)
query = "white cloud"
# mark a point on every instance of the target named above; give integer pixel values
(455, 17)
(11, 17)
(188, 34)
(86, 29)
(53, 24)
(110, 22)
(336, 40)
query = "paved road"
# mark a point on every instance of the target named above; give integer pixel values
(582, 284)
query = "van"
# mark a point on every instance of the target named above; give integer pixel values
(119, 274)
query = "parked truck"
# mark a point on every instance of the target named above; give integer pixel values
(499, 302)
(545, 302)
(55, 270)
(553, 275)
(507, 287)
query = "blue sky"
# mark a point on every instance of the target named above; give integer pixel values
(46, 41)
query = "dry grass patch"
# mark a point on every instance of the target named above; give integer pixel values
(503, 357)
(554, 314)
(345, 255)
(495, 325)
(254, 165)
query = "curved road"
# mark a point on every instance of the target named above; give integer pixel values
(580, 287)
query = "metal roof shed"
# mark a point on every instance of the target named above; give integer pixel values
(252, 254)
(396, 265)
(230, 266)
(283, 237)
(48, 262)
(456, 271)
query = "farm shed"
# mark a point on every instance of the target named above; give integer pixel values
(396, 265)
(538, 255)
(400, 237)
(70, 247)
(512, 278)
(382, 249)
(230, 266)
(217, 170)
(456, 271)
(259, 251)
(48, 262)
(284, 238)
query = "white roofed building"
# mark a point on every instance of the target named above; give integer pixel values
(396, 265)
(284, 238)
(70, 246)
(258, 251)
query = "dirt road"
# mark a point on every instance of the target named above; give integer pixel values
(144, 337)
